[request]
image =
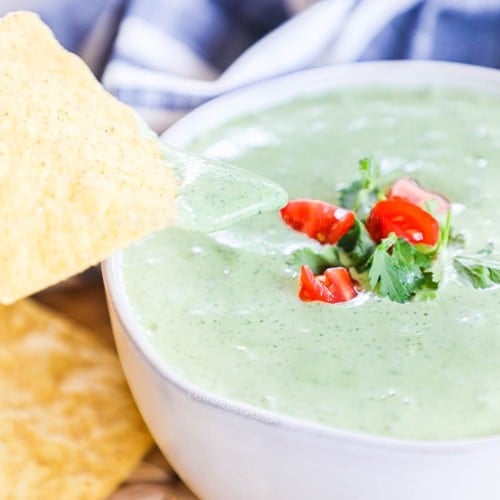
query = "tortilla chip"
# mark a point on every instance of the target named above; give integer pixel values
(78, 180)
(68, 425)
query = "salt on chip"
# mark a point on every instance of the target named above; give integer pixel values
(68, 425)
(78, 180)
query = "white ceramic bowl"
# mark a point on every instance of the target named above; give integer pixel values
(226, 450)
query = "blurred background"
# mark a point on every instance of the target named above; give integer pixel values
(165, 57)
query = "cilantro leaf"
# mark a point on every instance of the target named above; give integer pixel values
(357, 246)
(481, 269)
(399, 270)
(317, 260)
(385, 274)
(361, 195)
(428, 287)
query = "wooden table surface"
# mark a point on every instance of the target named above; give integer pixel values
(82, 299)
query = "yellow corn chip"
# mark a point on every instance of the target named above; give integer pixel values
(69, 428)
(78, 181)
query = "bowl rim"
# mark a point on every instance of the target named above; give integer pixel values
(259, 96)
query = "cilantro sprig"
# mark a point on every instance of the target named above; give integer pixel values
(396, 267)
(393, 268)
(356, 247)
(362, 194)
(399, 270)
(481, 270)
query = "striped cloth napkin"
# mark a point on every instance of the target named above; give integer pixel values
(165, 57)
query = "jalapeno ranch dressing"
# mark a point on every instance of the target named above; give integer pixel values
(222, 308)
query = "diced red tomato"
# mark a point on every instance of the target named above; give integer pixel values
(405, 219)
(332, 287)
(312, 288)
(339, 282)
(410, 190)
(319, 220)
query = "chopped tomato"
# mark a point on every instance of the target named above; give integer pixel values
(334, 286)
(319, 220)
(410, 190)
(312, 288)
(339, 282)
(405, 219)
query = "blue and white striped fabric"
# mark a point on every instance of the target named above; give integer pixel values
(165, 57)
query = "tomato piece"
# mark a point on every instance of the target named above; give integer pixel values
(332, 287)
(405, 219)
(410, 190)
(311, 288)
(319, 220)
(339, 282)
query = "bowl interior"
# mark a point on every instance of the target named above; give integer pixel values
(267, 94)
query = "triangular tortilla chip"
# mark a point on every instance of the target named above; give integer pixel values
(78, 181)
(68, 425)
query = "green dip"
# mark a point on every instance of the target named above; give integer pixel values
(222, 309)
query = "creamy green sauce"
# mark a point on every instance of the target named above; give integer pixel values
(212, 194)
(222, 309)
